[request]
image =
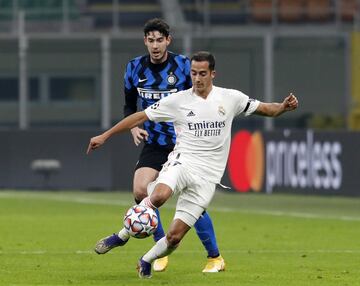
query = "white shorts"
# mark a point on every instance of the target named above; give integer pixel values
(195, 193)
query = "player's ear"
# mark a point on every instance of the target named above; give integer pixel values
(145, 40)
(168, 40)
(213, 74)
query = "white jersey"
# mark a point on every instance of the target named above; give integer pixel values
(202, 126)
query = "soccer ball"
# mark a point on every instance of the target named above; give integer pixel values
(140, 221)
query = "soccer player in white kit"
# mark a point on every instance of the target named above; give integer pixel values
(202, 117)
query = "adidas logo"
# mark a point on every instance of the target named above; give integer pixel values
(191, 113)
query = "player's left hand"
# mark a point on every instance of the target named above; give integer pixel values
(290, 102)
(95, 143)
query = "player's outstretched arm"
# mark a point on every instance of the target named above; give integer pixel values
(126, 124)
(275, 109)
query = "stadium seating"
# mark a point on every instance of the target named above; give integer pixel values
(291, 10)
(5, 10)
(318, 10)
(99, 14)
(348, 9)
(131, 13)
(48, 10)
(261, 10)
(228, 12)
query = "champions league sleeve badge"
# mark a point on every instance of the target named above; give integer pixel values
(171, 79)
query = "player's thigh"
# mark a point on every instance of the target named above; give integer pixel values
(170, 175)
(169, 181)
(160, 195)
(194, 200)
(150, 162)
(152, 157)
(201, 191)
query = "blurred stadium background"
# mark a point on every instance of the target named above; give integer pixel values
(61, 82)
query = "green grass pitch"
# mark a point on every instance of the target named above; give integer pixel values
(47, 238)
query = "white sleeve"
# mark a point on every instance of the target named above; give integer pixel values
(163, 110)
(244, 104)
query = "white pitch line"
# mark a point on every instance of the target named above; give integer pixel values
(243, 251)
(83, 200)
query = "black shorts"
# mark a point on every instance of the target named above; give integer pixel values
(153, 156)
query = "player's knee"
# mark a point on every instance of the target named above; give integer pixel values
(157, 199)
(140, 193)
(160, 195)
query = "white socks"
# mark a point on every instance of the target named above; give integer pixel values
(160, 249)
(148, 203)
(124, 234)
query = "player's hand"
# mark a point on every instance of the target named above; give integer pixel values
(290, 102)
(138, 135)
(95, 143)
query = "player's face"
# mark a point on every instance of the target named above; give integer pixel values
(157, 44)
(201, 77)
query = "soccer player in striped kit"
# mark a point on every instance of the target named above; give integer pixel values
(151, 77)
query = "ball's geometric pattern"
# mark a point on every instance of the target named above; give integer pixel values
(140, 221)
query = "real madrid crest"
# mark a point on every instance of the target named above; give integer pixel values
(221, 110)
(171, 79)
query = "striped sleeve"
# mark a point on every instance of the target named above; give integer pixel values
(130, 92)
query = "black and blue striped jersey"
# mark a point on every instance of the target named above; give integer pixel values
(150, 82)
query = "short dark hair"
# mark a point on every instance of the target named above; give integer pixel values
(157, 24)
(204, 56)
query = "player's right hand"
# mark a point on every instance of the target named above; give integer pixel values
(138, 135)
(290, 102)
(95, 143)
